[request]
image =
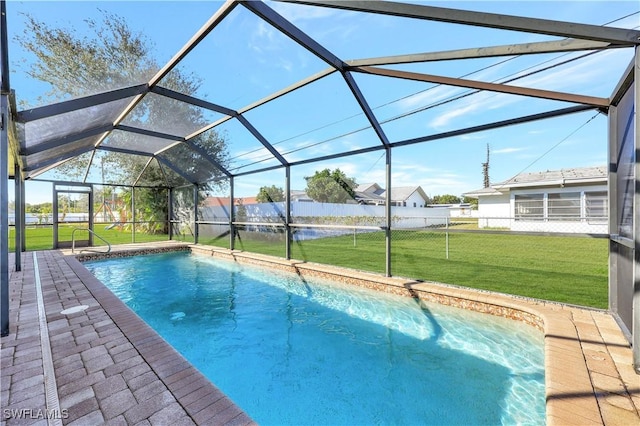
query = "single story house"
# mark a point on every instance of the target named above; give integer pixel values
(566, 200)
(374, 195)
(457, 210)
(401, 196)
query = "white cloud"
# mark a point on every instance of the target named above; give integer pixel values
(297, 13)
(580, 74)
(507, 150)
(473, 137)
(443, 119)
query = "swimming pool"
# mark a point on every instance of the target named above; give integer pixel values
(295, 351)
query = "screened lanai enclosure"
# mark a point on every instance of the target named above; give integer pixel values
(325, 131)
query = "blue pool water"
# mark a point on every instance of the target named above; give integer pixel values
(300, 352)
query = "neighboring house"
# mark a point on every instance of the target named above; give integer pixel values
(456, 210)
(402, 196)
(300, 196)
(224, 201)
(371, 194)
(567, 200)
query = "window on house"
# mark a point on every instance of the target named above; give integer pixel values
(596, 205)
(529, 207)
(563, 206)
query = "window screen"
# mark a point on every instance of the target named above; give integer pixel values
(564, 206)
(596, 205)
(529, 207)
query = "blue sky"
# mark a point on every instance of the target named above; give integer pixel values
(245, 59)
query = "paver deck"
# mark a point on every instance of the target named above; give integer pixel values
(111, 368)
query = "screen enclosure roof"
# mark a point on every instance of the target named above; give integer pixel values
(332, 99)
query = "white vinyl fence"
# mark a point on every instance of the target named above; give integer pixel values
(327, 219)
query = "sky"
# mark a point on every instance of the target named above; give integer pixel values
(245, 59)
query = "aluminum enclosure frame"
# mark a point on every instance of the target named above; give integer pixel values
(579, 37)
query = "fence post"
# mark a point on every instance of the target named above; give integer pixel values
(446, 238)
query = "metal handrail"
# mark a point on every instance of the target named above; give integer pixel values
(73, 240)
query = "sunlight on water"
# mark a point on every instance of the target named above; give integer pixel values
(298, 351)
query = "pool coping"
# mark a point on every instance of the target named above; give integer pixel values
(588, 362)
(589, 378)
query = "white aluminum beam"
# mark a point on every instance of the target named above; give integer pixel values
(483, 19)
(567, 45)
(492, 87)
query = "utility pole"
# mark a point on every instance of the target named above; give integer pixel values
(485, 170)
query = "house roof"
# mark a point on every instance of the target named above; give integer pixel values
(369, 196)
(572, 176)
(371, 188)
(553, 177)
(482, 192)
(224, 201)
(402, 193)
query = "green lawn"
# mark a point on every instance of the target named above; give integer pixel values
(41, 237)
(564, 269)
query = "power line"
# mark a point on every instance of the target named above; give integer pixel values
(554, 146)
(501, 80)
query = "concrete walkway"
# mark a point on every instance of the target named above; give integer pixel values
(109, 367)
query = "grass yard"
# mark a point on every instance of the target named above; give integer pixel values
(563, 269)
(41, 237)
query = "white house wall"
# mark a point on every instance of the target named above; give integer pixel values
(494, 211)
(572, 226)
(498, 211)
(415, 198)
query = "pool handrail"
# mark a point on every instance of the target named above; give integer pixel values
(73, 239)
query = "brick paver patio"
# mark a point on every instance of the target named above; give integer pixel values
(110, 367)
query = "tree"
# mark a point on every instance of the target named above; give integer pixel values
(270, 194)
(473, 202)
(445, 199)
(328, 186)
(114, 56)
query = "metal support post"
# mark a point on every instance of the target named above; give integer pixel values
(91, 216)
(287, 212)
(170, 213)
(133, 214)
(19, 216)
(4, 213)
(635, 332)
(232, 216)
(196, 231)
(5, 90)
(23, 237)
(388, 213)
